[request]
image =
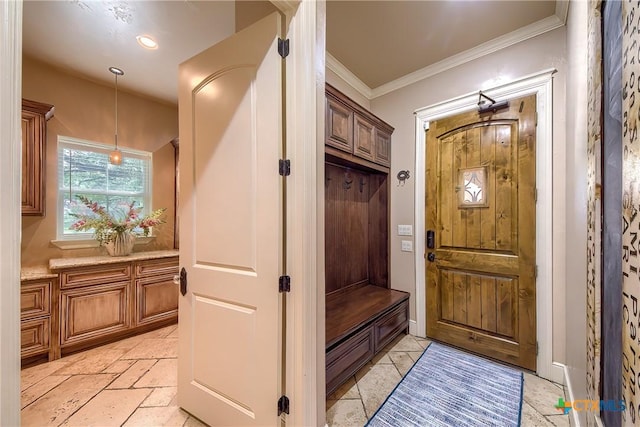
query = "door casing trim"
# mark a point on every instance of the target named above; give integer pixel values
(540, 84)
(10, 227)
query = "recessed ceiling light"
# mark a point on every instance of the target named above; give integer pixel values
(147, 42)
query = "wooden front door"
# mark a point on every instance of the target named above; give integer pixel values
(481, 287)
(230, 334)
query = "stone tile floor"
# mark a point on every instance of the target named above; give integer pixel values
(127, 383)
(133, 383)
(359, 398)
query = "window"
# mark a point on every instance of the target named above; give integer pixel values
(84, 169)
(474, 192)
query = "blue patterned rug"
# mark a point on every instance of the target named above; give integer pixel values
(447, 387)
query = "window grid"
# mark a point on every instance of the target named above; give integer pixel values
(94, 177)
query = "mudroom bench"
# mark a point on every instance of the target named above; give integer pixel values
(361, 321)
(363, 313)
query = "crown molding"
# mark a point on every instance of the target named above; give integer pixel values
(525, 33)
(345, 74)
(532, 30)
(562, 10)
(285, 5)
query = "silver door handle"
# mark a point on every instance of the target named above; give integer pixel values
(176, 279)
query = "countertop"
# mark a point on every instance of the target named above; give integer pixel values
(36, 273)
(61, 263)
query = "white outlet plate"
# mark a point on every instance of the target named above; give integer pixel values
(405, 230)
(407, 246)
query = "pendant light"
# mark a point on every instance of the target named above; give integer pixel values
(115, 157)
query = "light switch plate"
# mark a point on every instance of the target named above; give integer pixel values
(405, 230)
(407, 246)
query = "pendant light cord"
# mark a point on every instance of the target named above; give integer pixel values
(116, 74)
(115, 157)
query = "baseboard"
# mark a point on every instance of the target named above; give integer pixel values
(575, 420)
(557, 373)
(413, 327)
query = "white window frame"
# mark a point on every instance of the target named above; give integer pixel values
(79, 240)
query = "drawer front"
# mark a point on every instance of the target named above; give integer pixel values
(348, 357)
(156, 299)
(35, 299)
(93, 312)
(156, 267)
(95, 275)
(34, 336)
(388, 326)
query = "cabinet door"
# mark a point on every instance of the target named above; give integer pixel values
(93, 312)
(34, 121)
(383, 148)
(363, 137)
(156, 299)
(339, 125)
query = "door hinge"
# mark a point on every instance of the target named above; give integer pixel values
(285, 167)
(284, 284)
(535, 195)
(283, 47)
(535, 272)
(537, 348)
(283, 405)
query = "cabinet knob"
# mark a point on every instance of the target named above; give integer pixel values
(176, 279)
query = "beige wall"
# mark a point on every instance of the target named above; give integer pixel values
(576, 208)
(85, 110)
(531, 56)
(336, 81)
(248, 11)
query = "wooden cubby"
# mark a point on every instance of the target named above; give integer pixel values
(363, 314)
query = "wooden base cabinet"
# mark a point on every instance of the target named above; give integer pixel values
(105, 302)
(36, 324)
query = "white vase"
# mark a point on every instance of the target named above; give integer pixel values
(121, 245)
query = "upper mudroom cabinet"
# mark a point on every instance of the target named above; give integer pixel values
(34, 139)
(352, 129)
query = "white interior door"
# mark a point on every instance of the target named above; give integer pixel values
(230, 354)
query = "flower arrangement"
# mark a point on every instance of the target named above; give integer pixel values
(107, 225)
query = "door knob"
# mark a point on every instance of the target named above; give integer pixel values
(176, 279)
(431, 257)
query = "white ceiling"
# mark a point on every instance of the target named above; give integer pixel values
(380, 41)
(377, 41)
(87, 37)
